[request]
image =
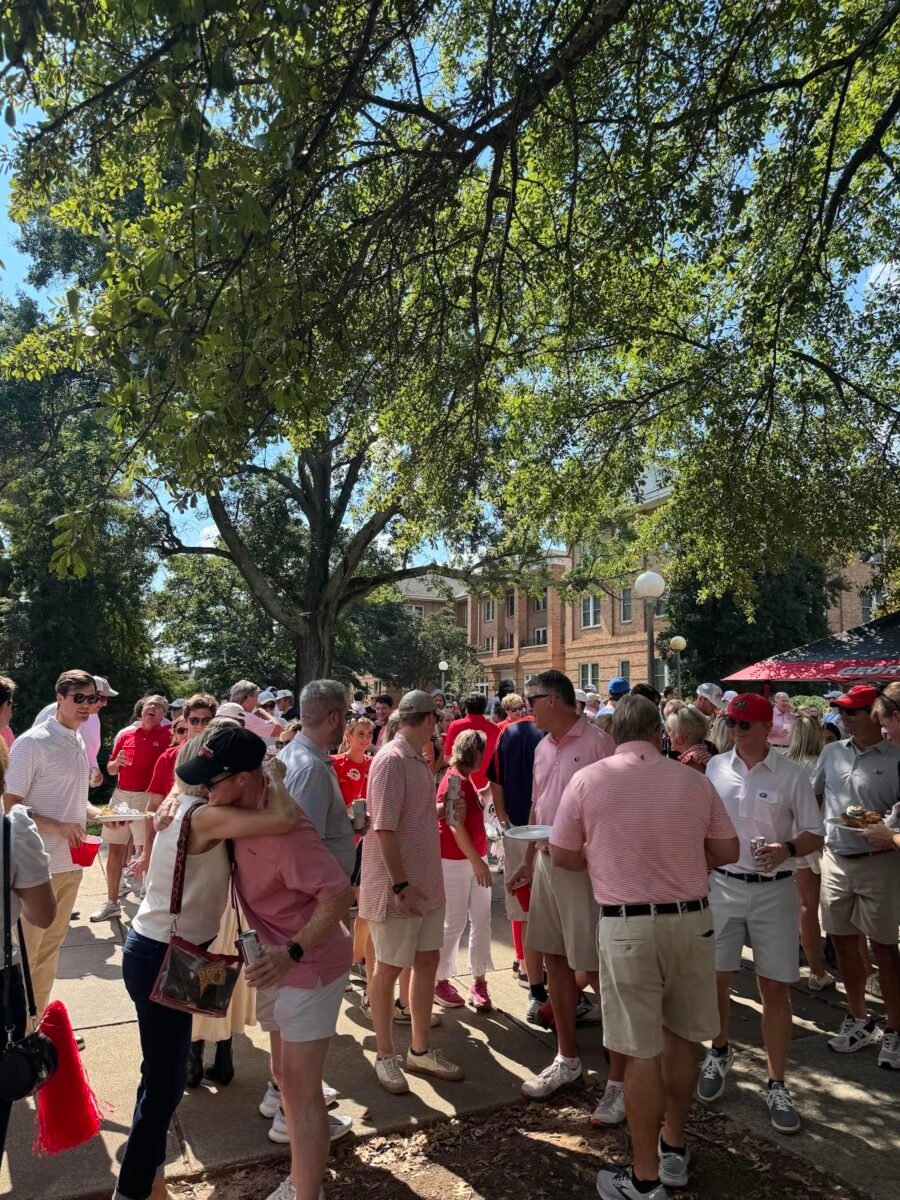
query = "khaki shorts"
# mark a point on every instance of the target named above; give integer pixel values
(655, 973)
(301, 1014)
(133, 829)
(861, 895)
(397, 939)
(563, 915)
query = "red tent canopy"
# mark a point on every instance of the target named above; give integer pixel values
(868, 652)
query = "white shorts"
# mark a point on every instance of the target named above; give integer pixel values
(123, 834)
(301, 1014)
(763, 916)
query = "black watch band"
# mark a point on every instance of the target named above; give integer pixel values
(791, 849)
(398, 887)
(295, 950)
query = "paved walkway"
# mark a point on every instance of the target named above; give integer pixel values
(850, 1108)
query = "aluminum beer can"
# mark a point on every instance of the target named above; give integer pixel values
(756, 844)
(358, 814)
(249, 947)
(450, 798)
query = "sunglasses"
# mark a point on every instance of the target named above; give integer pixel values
(733, 724)
(199, 720)
(852, 712)
(84, 698)
(181, 730)
(539, 696)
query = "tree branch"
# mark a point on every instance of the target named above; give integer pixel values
(860, 156)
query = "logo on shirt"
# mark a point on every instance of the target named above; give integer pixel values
(354, 774)
(577, 758)
(763, 795)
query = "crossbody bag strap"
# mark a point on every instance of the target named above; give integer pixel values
(7, 922)
(181, 859)
(26, 975)
(229, 846)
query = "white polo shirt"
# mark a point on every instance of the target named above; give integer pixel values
(48, 768)
(90, 732)
(773, 799)
(847, 775)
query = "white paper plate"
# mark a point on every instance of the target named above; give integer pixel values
(839, 824)
(106, 818)
(530, 833)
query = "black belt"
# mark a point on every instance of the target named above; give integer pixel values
(656, 910)
(862, 854)
(756, 878)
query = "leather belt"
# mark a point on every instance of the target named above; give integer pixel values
(862, 854)
(655, 910)
(751, 878)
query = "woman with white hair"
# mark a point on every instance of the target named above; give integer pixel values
(688, 728)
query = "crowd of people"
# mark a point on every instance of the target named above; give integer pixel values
(644, 842)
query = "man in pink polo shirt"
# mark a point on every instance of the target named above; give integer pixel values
(562, 917)
(649, 829)
(295, 896)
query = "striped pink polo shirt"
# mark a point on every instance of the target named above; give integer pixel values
(555, 762)
(642, 820)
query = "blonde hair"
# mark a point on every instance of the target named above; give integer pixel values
(805, 742)
(353, 723)
(888, 702)
(721, 736)
(512, 700)
(688, 722)
(468, 749)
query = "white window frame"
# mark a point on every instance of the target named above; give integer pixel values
(489, 612)
(622, 606)
(536, 640)
(595, 611)
(489, 642)
(589, 675)
(540, 602)
(509, 640)
(869, 601)
(418, 609)
(625, 668)
(482, 687)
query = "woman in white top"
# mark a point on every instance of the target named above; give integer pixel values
(31, 893)
(166, 1032)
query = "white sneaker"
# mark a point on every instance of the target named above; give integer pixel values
(284, 1191)
(818, 983)
(270, 1102)
(390, 1074)
(329, 1094)
(587, 1013)
(109, 910)
(278, 1130)
(873, 985)
(889, 1055)
(854, 1034)
(551, 1079)
(433, 1062)
(617, 1185)
(673, 1167)
(124, 888)
(338, 1126)
(611, 1109)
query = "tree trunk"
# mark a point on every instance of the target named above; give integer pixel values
(315, 652)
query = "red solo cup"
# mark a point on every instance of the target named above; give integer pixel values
(84, 855)
(523, 894)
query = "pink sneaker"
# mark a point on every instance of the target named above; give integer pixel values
(447, 995)
(478, 996)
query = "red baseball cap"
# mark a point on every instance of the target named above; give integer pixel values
(863, 695)
(750, 707)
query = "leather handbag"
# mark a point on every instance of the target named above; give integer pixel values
(26, 1063)
(190, 978)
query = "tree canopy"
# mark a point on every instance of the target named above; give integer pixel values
(476, 269)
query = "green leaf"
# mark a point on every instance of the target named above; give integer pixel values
(9, 116)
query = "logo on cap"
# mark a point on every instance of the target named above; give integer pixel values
(206, 752)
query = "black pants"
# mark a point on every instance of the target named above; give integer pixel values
(15, 1017)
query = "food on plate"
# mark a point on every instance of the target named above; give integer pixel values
(857, 817)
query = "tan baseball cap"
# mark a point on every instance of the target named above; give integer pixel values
(103, 687)
(416, 702)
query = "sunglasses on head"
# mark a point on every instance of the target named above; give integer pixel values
(199, 720)
(733, 724)
(84, 698)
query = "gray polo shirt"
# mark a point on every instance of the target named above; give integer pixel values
(847, 775)
(312, 783)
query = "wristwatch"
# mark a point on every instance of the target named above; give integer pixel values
(791, 849)
(295, 950)
(398, 887)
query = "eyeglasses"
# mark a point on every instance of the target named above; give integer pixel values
(84, 698)
(538, 696)
(181, 730)
(199, 720)
(852, 712)
(733, 724)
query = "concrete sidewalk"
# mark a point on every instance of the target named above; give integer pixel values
(849, 1107)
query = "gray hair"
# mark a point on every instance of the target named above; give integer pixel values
(319, 699)
(688, 722)
(636, 719)
(189, 749)
(781, 696)
(241, 690)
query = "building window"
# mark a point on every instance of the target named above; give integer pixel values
(540, 636)
(540, 602)
(590, 612)
(490, 611)
(482, 687)
(509, 641)
(418, 609)
(489, 645)
(660, 605)
(625, 668)
(660, 675)
(870, 601)
(589, 674)
(527, 679)
(625, 605)
(510, 604)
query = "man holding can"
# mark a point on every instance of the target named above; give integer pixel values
(754, 901)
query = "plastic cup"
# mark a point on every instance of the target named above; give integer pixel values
(523, 894)
(84, 855)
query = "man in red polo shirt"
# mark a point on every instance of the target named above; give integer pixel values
(133, 758)
(476, 706)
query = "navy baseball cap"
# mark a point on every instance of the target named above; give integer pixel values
(228, 751)
(618, 686)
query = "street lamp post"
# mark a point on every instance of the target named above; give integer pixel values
(649, 586)
(678, 644)
(443, 667)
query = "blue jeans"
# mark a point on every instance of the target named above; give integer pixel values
(165, 1042)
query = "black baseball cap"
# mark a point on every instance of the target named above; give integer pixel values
(228, 751)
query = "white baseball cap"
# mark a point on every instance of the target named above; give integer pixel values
(284, 694)
(729, 696)
(102, 686)
(711, 692)
(580, 696)
(266, 697)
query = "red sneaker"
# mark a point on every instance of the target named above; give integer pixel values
(447, 995)
(478, 996)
